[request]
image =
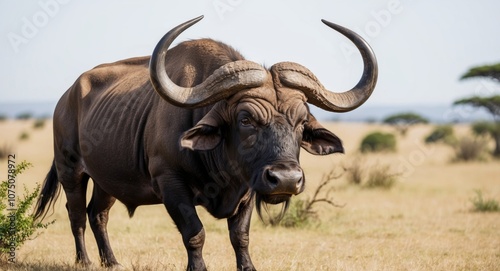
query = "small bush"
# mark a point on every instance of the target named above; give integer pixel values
(39, 124)
(484, 205)
(16, 221)
(470, 149)
(355, 171)
(5, 150)
(371, 176)
(302, 212)
(380, 176)
(296, 216)
(443, 134)
(378, 141)
(3, 117)
(24, 136)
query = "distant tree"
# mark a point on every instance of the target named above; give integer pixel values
(403, 121)
(483, 127)
(442, 133)
(490, 71)
(24, 116)
(490, 104)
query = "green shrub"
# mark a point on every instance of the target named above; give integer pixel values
(484, 205)
(378, 141)
(16, 221)
(297, 215)
(39, 123)
(24, 136)
(442, 133)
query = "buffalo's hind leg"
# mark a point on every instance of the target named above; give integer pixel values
(98, 212)
(75, 188)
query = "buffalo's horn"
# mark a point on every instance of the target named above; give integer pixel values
(222, 83)
(296, 76)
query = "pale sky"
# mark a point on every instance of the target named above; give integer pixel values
(423, 47)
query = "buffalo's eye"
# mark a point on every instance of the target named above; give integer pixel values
(245, 122)
(302, 123)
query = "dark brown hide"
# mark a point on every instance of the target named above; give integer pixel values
(141, 146)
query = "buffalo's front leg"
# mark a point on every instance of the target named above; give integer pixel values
(239, 226)
(178, 200)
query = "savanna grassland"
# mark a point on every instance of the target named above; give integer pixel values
(424, 222)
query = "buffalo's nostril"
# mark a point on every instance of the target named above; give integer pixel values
(300, 181)
(272, 177)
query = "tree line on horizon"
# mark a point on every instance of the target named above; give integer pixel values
(405, 120)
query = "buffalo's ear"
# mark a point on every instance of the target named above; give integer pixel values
(318, 140)
(201, 138)
(205, 135)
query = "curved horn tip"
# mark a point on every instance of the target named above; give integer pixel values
(189, 23)
(193, 21)
(325, 21)
(197, 19)
(333, 25)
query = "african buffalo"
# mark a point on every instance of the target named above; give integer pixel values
(193, 125)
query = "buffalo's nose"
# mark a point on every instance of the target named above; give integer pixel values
(284, 180)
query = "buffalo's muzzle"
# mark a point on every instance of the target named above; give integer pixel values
(282, 180)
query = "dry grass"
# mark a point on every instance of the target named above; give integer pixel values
(423, 223)
(5, 150)
(470, 149)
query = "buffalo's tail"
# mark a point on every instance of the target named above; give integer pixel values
(48, 196)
